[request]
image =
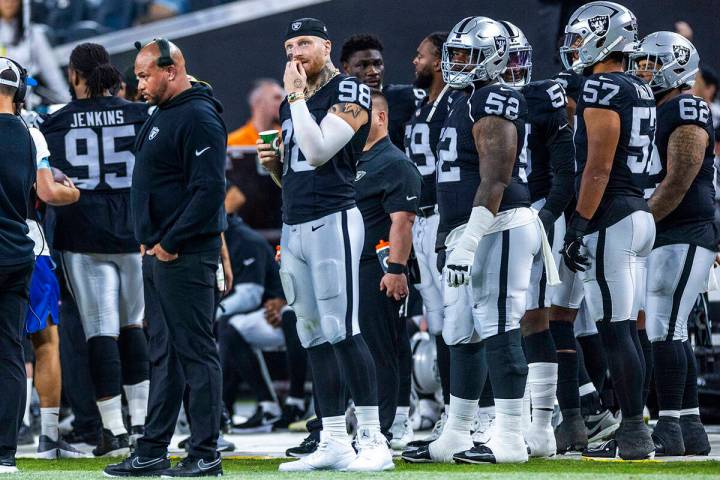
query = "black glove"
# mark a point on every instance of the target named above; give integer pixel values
(440, 262)
(548, 219)
(570, 252)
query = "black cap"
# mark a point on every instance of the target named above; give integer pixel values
(306, 26)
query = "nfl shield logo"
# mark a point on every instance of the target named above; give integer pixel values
(682, 54)
(500, 45)
(153, 133)
(296, 26)
(599, 24)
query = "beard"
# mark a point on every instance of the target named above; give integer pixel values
(423, 80)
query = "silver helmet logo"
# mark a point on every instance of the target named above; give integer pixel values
(599, 24)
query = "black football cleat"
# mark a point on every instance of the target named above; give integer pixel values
(137, 466)
(479, 454)
(668, 439)
(571, 434)
(417, 455)
(112, 445)
(195, 467)
(695, 437)
(308, 446)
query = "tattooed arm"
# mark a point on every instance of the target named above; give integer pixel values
(355, 115)
(685, 154)
(496, 142)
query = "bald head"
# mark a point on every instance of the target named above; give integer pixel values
(158, 84)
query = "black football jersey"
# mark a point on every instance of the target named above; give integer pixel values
(549, 138)
(633, 101)
(458, 174)
(571, 83)
(692, 220)
(402, 101)
(308, 192)
(92, 142)
(422, 134)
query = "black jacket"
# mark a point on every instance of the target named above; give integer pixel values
(178, 184)
(17, 175)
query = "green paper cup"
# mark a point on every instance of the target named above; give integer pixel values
(271, 137)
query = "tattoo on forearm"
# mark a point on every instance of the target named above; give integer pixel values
(685, 154)
(496, 143)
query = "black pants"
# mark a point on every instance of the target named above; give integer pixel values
(179, 306)
(14, 295)
(380, 325)
(76, 380)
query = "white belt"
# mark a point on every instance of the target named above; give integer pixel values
(514, 218)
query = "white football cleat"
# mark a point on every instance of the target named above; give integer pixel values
(448, 444)
(374, 455)
(541, 441)
(402, 434)
(482, 428)
(331, 454)
(503, 447)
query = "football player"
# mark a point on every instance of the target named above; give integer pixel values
(484, 206)
(421, 137)
(361, 57)
(682, 205)
(91, 140)
(550, 169)
(611, 226)
(325, 122)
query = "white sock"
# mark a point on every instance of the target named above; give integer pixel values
(669, 413)
(271, 407)
(586, 389)
(137, 398)
(28, 399)
(368, 417)
(49, 422)
(461, 414)
(690, 411)
(335, 427)
(526, 416)
(298, 402)
(542, 380)
(401, 414)
(111, 415)
(487, 410)
(508, 415)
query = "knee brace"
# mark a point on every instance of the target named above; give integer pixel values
(104, 358)
(133, 348)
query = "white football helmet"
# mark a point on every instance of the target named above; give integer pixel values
(485, 44)
(594, 31)
(671, 58)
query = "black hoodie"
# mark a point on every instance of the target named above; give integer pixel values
(178, 184)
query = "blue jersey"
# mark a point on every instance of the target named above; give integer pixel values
(458, 174)
(634, 102)
(309, 192)
(92, 142)
(551, 156)
(422, 134)
(692, 221)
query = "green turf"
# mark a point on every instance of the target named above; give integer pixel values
(86, 469)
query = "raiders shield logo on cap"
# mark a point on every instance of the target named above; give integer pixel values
(296, 26)
(682, 54)
(599, 24)
(500, 45)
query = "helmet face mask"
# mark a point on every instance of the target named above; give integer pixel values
(665, 60)
(476, 50)
(594, 31)
(518, 71)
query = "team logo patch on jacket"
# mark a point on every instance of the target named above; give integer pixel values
(153, 133)
(359, 175)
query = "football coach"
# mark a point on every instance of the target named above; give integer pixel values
(177, 194)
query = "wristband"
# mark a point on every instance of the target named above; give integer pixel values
(395, 268)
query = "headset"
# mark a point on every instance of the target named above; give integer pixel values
(164, 60)
(21, 91)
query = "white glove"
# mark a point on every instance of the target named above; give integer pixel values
(459, 263)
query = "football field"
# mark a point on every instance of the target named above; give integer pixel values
(251, 468)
